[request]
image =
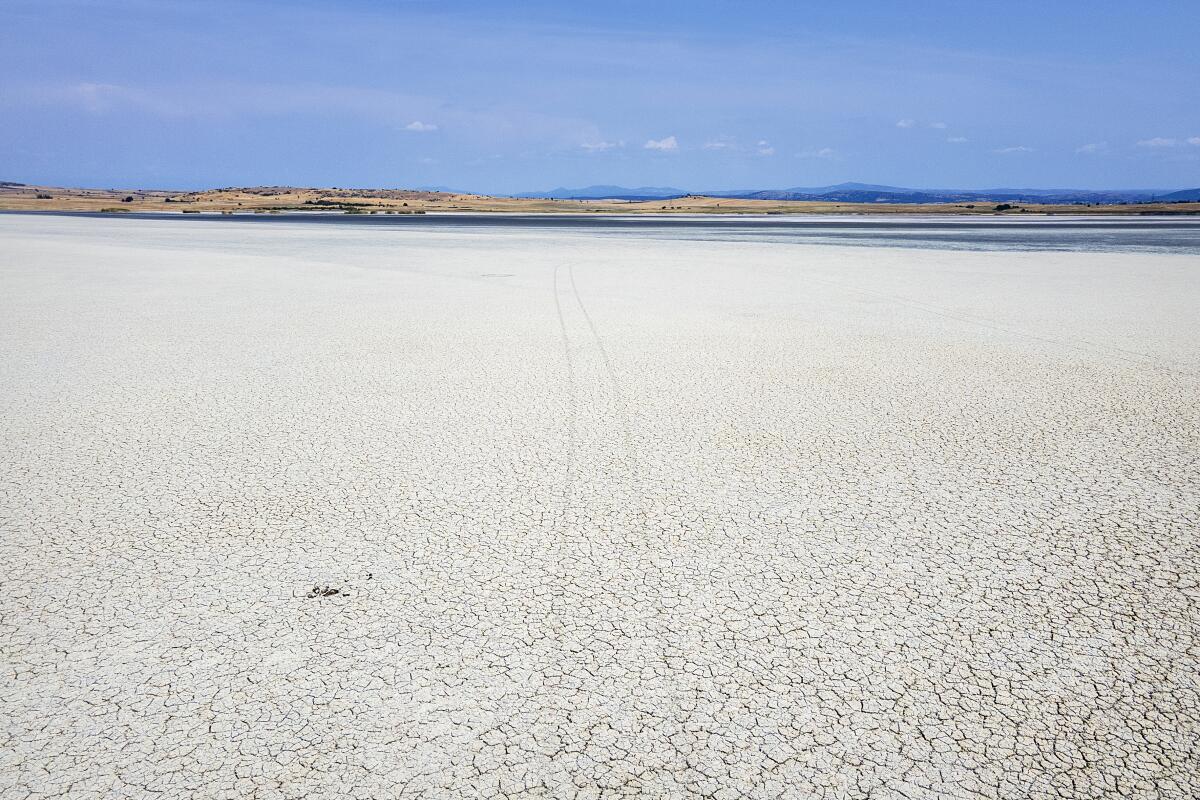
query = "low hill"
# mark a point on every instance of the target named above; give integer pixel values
(287, 199)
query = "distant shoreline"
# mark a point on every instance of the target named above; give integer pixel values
(400, 202)
(1063, 221)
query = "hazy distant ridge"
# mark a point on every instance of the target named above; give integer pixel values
(606, 192)
(874, 193)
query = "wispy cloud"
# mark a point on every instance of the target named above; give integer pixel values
(1020, 148)
(255, 104)
(941, 126)
(101, 98)
(1092, 148)
(956, 139)
(1160, 142)
(764, 148)
(824, 152)
(600, 147)
(722, 143)
(666, 144)
(906, 123)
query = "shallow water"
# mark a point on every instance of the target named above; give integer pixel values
(1159, 234)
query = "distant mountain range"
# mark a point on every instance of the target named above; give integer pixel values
(603, 192)
(873, 193)
(1182, 196)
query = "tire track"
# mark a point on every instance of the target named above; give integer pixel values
(619, 403)
(568, 486)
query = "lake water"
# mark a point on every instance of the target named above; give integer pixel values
(1158, 234)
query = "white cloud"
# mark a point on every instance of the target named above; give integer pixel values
(956, 139)
(824, 152)
(1092, 147)
(941, 126)
(1194, 140)
(906, 123)
(1017, 149)
(1157, 141)
(421, 127)
(600, 147)
(723, 143)
(666, 144)
(765, 149)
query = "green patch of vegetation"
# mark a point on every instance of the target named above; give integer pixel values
(324, 202)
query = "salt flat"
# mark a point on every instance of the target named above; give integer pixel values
(607, 515)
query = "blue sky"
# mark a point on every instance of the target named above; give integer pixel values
(506, 97)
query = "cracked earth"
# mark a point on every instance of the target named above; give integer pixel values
(294, 511)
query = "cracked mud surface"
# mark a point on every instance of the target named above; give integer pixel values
(606, 516)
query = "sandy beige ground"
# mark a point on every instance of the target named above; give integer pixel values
(607, 516)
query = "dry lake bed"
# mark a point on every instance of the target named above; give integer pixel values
(459, 507)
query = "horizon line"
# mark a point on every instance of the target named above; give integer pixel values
(426, 186)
